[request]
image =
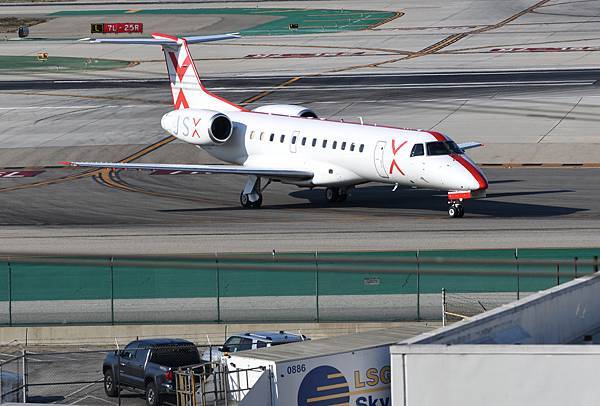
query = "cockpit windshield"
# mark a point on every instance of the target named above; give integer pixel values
(443, 148)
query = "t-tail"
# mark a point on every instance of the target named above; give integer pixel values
(186, 88)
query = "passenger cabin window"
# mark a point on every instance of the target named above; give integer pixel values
(361, 148)
(261, 344)
(314, 143)
(303, 141)
(443, 148)
(261, 135)
(282, 138)
(272, 137)
(352, 147)
(334, 145)
(417, 150)
(251, 135)
(294, 139)
(343, 146)
(324, 143)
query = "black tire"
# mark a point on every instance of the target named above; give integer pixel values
(332, 194)
(110, 388)
(152, 395)
(258, 203)
(244, 200)
(461, 211)
(452, 211)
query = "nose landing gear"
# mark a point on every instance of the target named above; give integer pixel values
(456, 209)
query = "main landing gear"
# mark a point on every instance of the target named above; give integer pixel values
(336, 194)
(456, 209)
(251, 196)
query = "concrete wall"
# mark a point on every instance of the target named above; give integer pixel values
(493, 375)
(555, 316)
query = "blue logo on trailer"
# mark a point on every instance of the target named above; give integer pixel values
(323, 386)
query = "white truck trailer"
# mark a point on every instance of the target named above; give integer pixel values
(350, 370)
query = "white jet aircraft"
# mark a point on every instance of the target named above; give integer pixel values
(290, 144)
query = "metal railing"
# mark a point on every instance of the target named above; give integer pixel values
(214, 387)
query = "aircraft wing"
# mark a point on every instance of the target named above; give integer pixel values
(469, 145)
(203, 169)
(161, 39)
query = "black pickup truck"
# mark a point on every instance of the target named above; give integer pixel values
(148, 365)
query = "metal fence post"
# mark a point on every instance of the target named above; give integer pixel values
(443, 306)
(217, 282)
(595, 263)
(557, 274)
(9, 292)
(418, 286)
(112, 290)
(317, 284)
(575, 267)
(518, 274)
(25, 376)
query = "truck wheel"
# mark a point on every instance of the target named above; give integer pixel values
(152, 396)
(110, 388)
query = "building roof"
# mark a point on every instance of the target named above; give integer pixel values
(339, 344)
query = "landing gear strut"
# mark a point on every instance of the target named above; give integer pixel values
(456, 209)
(336, 194)
(251, 196)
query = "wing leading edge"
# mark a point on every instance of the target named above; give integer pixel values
(206, 169)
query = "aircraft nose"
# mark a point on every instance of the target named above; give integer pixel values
(472, 178)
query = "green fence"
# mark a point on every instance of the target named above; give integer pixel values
(317, 286)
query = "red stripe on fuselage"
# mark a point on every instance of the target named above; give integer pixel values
(472, 170)
(438, 136)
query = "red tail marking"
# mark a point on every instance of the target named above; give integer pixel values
(180, 70)
(181, 101)
(196, 121)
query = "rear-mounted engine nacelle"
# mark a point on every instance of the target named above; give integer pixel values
(287, 110)
(201, 127)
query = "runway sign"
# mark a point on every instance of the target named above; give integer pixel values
(117, 28)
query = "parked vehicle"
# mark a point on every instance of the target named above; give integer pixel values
(148, 365)
(251, 341)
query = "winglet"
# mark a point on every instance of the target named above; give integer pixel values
(66, 163)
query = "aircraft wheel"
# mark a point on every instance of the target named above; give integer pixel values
(258, 203)
(456, 211)
(332, 194)
(245, 200)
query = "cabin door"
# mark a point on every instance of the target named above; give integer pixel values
(379, 165)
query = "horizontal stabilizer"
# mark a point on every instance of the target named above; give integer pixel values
(162, 39)
(202, 169)
(469, 145)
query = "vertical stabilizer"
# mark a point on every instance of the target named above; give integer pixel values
(186, 88)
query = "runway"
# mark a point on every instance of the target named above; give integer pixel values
(142, 213)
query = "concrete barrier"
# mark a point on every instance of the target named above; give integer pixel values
(198, 333)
